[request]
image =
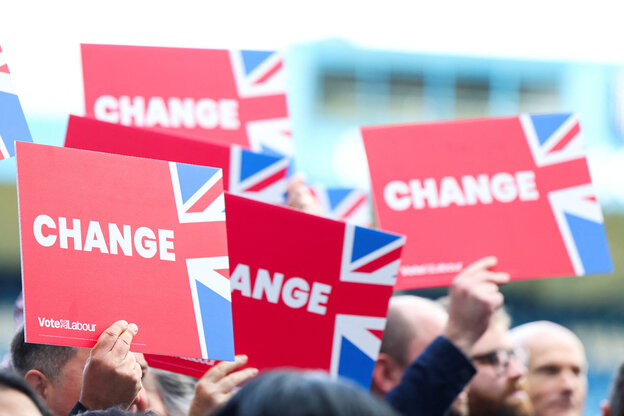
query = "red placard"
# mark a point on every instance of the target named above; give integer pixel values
(107, 237)
(307, 292)
(233, 96)
(517, 188)
(256, 175)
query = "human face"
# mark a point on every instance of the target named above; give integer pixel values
(557, 380)
(498, 386)
(16, 403)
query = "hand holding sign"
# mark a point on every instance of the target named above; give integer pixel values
(112, 375)
(474, 297)
(218, 384)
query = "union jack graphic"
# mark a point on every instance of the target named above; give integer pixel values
(198, 192)
(13, 124)
(210, 285)
(344, 204)
(370, 256)
(553, 138)
(258, 74)
(556, 139)
(356, 344)
(257, 175)
(272, 136)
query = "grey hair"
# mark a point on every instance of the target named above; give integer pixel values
(176, 390)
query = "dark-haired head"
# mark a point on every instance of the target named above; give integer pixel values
(15, 394)
(305, 394)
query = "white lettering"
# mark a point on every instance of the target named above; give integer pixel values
(40, 221)
(264, 284)
(396, 194)
(181, 112)
(65, 233)
(501, 187)
(131, 111)
(241, 280)
(319, 297)
(186, 112)
(526, 186)
(229, 114)
(106, 109)
(95, 238)
(165, 242)
(295, 291)
(422, 193)
(118, 240)
(146, 242)
(450, 193)
(156, 113)
(476, 189)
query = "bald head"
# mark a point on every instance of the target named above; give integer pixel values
(412, 323)
(557, 380)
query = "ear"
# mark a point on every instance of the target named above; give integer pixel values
(39, 382)
(386, 374)
(606, 409)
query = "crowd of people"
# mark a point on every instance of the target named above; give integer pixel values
(455, 356)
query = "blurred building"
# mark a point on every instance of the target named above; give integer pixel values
(335, 87)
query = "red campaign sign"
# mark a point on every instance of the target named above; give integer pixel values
(256, 175)
(322, 305)
(517, 188)
(99, 232)
(232, 96)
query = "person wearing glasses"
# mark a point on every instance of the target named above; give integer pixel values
(499, 387)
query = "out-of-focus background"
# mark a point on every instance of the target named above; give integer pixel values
(353, 63)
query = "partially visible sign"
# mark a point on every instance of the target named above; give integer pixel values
(256, 175)
(516, 187)
(344, 204)
(13, 124)
(233, 96)
(107, 237)
(313, 290)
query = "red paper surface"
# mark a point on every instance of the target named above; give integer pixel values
(256, 175)
(344, 276)
(517, 188)
(232, 96)
(77, 283)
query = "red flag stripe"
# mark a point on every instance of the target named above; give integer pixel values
(567, 138)
(269, 74)
(354, 207)
(205, 200)
(268, 181)
(380, 262)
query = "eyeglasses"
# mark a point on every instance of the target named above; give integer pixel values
(500, 358)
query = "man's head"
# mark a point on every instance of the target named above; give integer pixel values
(497, 388)
(412, 324)
(557, 372)
(17, 398)
(54, 372)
